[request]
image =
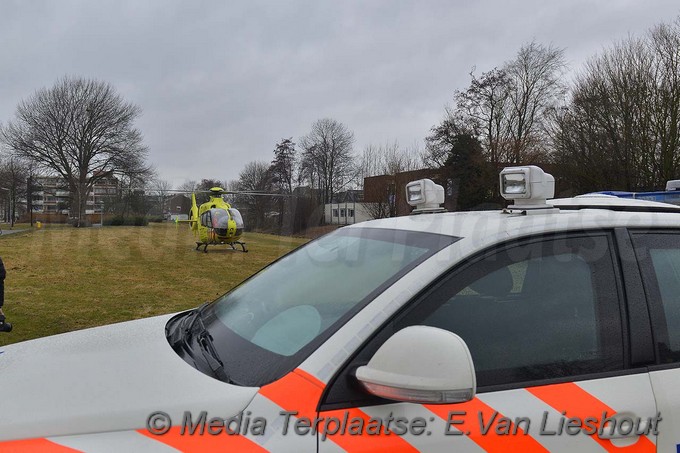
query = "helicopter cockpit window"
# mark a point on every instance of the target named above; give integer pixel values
(219, 218)
(270, 323)
(236, 216)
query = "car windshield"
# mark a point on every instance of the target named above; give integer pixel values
(270, 323)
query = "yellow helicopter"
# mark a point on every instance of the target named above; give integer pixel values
(215, 222)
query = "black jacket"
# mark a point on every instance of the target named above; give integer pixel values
(3, 273)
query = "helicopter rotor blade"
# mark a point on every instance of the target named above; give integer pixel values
(232, 192)
(260, 194)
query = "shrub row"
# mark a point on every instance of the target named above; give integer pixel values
(138, 220)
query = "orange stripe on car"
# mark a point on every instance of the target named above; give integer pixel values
(470, 414)
(577, 403)
(297, 391)
(34, 446)
(300, 391)
(364, 442)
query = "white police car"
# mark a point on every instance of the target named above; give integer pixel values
(550, 326)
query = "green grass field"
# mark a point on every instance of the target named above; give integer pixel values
(61, 278)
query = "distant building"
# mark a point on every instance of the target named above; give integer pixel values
(346, 208)
(53, 195)
(102, 190)
(177, 205)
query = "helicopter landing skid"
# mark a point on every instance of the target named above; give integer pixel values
(244, 249)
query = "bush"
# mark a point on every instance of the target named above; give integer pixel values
(83, 222)
(119, 220)
(115, 221)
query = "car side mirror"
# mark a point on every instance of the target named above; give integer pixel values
(421, 364)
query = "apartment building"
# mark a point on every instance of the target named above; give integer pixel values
(53, 196)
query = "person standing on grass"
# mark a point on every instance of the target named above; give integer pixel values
(4, 326)
(3, 273)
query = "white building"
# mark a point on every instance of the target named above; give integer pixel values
(346, 213)
(347, 208)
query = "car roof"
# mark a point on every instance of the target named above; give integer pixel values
(568, 214)
(611, 202)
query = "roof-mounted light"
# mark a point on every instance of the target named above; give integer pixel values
(425, 196)
(673, 185)
(529, 187)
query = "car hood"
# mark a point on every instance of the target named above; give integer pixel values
(104, 379)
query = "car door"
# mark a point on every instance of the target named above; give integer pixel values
(659, 255)
(546, 324)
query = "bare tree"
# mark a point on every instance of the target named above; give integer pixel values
(202, 189)
(483, 111)
(255, 177)
(161, 188)
(664, 43)
(231, 185)
(536, 87)
(621, 129)
(80, 129)
(131, 198)
(188, 186)
(387, 159)
(14, 175)
(607, 119)
(327, 160)
(508, 109)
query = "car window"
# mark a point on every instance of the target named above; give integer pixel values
(527, 314)
(534, 311)
(659, 256)
(667, 269)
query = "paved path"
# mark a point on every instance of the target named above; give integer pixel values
(5, 232)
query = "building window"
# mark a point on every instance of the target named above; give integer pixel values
(343, 212)
(335, 212)
(350, 213)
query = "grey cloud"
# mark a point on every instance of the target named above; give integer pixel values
(221, 82)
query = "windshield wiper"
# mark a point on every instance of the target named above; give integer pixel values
(205, 343)
(210, 355)
(179, 333)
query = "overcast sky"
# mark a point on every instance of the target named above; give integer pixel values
(220, 82)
